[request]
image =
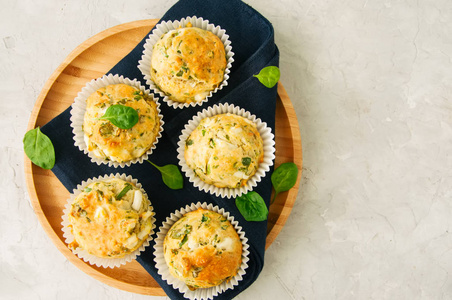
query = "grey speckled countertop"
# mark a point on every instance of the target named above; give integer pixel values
(371, 82)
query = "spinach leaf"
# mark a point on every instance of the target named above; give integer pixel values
(171, 176)
(252, 207)
(121, 116)
(284, 177)
(124, 191)
(39, 148)
(269, 76)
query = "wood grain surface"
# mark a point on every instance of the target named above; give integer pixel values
(91, 60)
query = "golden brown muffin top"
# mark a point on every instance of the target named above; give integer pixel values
(224, 150)
(109, 142)
(203, 249)
(187, 63)
(110, 218)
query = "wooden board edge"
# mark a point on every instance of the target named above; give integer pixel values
(298, 160)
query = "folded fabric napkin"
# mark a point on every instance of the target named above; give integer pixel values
(252, 41)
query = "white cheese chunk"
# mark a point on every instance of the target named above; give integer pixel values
(240, 174)
(236, 130)
(131, 241)
(146, 215)
(137, 199)
(222, 144)
(225, 244)
(192, 244)
(145, 232)
(100, 214)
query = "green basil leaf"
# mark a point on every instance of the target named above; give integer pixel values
(252, 207)
(39, 148)
(121, 116)
(124, 191)
(284, 177)
(171, 176)
(269, 76)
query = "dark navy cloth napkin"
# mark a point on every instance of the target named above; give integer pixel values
(252, 42)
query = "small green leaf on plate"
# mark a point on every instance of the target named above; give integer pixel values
(284, 177)
(252, 207)
(39, 148)
(171, 176)
(269, 76)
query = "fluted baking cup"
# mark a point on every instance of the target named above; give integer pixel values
(85, 255)
(162, 267)
(145, 63)
(268, 143)
(78, 110)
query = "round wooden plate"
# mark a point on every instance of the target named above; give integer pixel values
(90, 60)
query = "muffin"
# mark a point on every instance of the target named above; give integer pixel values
(110, 218)
(106, 141)
(202, 249)
(224, 150)
(188, 63)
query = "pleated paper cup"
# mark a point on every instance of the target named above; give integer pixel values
(162, 267)
(145, 63)
(268, 143)
(78, 110)
(85, 255)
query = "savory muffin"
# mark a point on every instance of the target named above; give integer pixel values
(202, 249)
(224, 150)
(187, 63)
(109, 142)
(110, 218)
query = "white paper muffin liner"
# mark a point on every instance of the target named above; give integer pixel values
(268, 143)
(83, 254)
(78, 110)
(145, 63)
(162, 267)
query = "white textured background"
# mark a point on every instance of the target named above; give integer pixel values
(371, 82)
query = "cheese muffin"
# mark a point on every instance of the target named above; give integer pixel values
(202, 249)
(110, 218)
(109, 142)
(224, 150)
(188, 63)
